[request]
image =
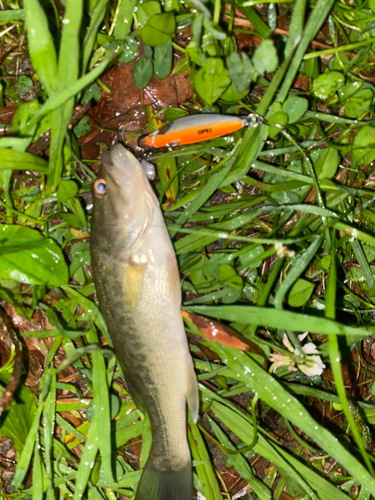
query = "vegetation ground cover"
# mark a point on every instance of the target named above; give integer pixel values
(273, 227)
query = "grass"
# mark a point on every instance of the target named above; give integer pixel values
(273, 229)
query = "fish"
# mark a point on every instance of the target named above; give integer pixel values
(193, 129)
(138, 286)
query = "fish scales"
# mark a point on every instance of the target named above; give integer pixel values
(137, 281)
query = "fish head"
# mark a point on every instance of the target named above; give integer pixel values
(123, 201)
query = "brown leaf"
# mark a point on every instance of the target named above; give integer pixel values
(217, 332)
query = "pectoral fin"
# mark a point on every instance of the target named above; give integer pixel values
(192, 394)
(133, 284)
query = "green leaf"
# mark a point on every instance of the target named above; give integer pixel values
(208, 47)
(241, 70)
(142, 72)
(92, 93)
(171, 5)
(17, 160)
(146, 11)
(277, 120)
(359, 103)
(265, 57)
(24, 84)
(327, 84)
(231, 95)
(15, 422)
(159, 29)
(163, 60)
(172, 114)
(66, 190)
(229, 277)
(26, 256)
(299, 266)
(295, 108)
(300, 293)
(231, 296)
(82, 128)
(326, 163)
(211, 80)
(198, 273)
(364, 145)
(130, 47)
(369, 416)
(250, 258)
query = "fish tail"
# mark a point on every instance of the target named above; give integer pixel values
(166, 484)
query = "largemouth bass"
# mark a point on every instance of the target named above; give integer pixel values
(138, 286)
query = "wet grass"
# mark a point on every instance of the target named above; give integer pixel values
(286, 247)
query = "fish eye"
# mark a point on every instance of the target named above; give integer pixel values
(100, 188)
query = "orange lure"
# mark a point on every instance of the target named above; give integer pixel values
(192, 129)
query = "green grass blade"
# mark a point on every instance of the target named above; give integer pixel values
(212, 185)
(7, 16)
(299, 266)
(364, 265)
(41, 46)
(206, 474)
(286, 320)
(48, 430)
(241, 465)
(124, 18)
(96, 18)
(87, 460)
(296, 26)
(271, 392)
(24, 461)
(146, 440)
(317, 17)
(37, 474)
(316, 486)
(335, 356)
(102, 406)
(355, 233)
(68, 72)
(59, 98)
(256, 21)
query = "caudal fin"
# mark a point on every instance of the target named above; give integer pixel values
(166, 484)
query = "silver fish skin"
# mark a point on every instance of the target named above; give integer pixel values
(138, 286)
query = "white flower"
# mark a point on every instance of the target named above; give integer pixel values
(311, 365)
(280, 360)
(283, 251)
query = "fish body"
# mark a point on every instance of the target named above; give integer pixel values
(193, 129)
(137, 282)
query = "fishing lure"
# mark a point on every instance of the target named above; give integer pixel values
(196, 128)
